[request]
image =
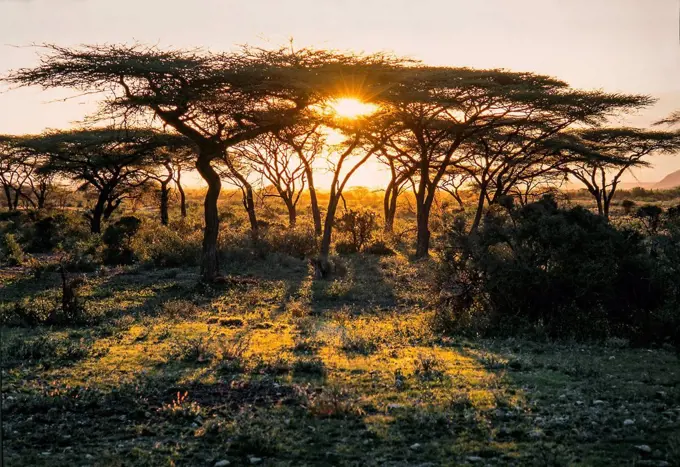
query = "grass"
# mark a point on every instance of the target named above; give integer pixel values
(282, 370)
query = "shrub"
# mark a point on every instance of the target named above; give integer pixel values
(177, 245)
(118, 240)
(298, 242)
(180, 309)
(52, 230)
(83, 255)
(12, 252)
(627, 206)
(309, 366)
(332, 402)
(568, 273)
(345, 248)
(428, 367)
(650, 216)
(358, 226)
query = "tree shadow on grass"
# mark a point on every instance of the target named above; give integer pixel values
(364, 286)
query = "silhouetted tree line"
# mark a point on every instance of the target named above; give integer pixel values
(257, 117)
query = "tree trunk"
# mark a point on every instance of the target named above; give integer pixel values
(292, 213)
(209, 257)
(390, 206)
(479, 211)
(165, 195)
(605, 209)
(249, 203)
(111, 205)
(316, 213)
(598, 200)
(182, 197)
(328, 227)
(97, 213)
(423, 227)
(8, 195)
(41, 198)
(17, 197)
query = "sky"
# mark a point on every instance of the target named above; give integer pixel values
(615, 45)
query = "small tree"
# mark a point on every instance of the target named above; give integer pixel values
(166, 169)
(308, 141)
(16, 171)
(617, 150)
(113, 162)
(359, 225)
(280, 166)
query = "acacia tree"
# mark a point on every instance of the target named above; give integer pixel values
(619, 150)
(516, 155)
(112, 162)
(453, 183)
(278, 163)
(439, 110)
(308, 141)
(167, 169)
(217, 100)
(364, 136)
(16, 171)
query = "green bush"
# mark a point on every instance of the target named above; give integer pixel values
(49, 231)
(178, 245)
(118, 240)
(83, 255)
(650, 216)
(627, 206)
(357, 226)
(299, 242)
(12, 253)
(345, 248)
(568, 273)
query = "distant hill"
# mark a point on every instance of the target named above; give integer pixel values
(671, 180)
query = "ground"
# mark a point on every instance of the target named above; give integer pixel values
(273, 368)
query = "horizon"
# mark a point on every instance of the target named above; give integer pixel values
(614, 45)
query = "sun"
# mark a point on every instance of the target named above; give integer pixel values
(349, 107)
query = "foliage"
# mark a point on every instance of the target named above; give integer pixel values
(650, 215)
(298, 242)
(118, 240)
(12, 253)
(50, 231)
(567, 272)
(177, 245)
(627, 206)
(358, 226)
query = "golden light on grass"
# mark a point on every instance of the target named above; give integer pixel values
(349, 107)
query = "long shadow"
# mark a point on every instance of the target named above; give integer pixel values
(363, 287)
(26, 284)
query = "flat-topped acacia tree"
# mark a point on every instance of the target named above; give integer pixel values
(113, 162)
(619, 150)
(217, 100)
(437, 110)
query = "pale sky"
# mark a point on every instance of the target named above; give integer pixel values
(614, 45)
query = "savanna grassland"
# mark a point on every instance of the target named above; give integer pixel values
(469, 311)
(271, 366)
